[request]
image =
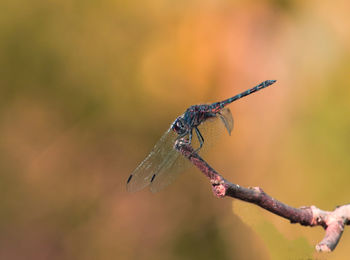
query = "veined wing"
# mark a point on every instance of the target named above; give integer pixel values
(174, 163)
(227, 119)
(164, 163)
(160, 167)
(212, 130)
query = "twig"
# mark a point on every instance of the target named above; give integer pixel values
(332, 221)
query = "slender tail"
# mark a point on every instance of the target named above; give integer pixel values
(219, 105)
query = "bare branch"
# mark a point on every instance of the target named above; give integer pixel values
(332, 221)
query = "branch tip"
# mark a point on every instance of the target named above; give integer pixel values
(332, 221)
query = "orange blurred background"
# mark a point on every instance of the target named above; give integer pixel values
(88, 87)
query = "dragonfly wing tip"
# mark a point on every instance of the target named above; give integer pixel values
(129, 179)
(152, 179)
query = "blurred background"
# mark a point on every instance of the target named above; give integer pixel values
(88, 87)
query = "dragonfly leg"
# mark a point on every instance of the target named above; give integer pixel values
(184, 134)
(181, 136)
(200, 138)
(190, 136)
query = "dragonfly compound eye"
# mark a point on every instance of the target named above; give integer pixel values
(178, 126)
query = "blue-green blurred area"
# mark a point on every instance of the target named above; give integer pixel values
(87, 88)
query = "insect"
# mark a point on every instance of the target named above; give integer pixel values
(163, 163)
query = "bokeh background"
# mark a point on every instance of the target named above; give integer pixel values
(88, 87)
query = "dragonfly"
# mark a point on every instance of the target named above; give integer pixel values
(164, 162)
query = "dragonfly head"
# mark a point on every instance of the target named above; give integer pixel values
(179, 126)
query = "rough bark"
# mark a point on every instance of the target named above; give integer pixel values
(332, 221)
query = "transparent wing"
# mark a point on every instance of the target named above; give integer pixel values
(213, 129)
(171, 169)
(174, 163)
(226, 117)
(164, 163)
(160, 167)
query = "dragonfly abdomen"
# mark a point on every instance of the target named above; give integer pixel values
(217, 106)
